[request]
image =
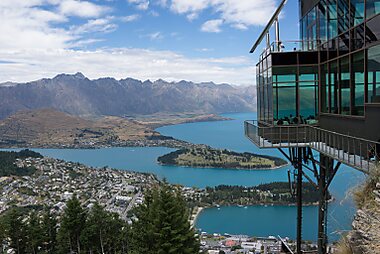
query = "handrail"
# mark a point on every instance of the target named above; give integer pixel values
(311, 126)
(357, 152)
(297, 46)
(344, 135)
(268, 26)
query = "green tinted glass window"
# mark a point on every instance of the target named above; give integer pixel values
(285, 74)
(333, 87)
(372, 8)
(307, 102)
(374, 74)
(344, 84)
(357, 96)
(357, 12)
(332, 19)
(286, 102)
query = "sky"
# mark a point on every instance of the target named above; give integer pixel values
(195, 40)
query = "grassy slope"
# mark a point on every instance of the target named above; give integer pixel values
(46, 126)
(208, 157)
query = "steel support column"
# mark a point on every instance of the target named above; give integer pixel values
(327, 172)
(299, 199)
(322, 205)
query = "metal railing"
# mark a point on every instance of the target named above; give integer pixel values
(276, 136)
(289, 46)
(356, 152)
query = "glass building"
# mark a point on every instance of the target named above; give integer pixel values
(331, 74)
(321, 94)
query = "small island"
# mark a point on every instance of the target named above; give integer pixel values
(217, 158)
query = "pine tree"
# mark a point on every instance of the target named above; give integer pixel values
(2, 233)
(15, 230)
(175, 233)
(142, 232)
(162, 225)
(117, 234)
(93, 233)
(72, 223)
(49, 231)
(34, 233)
(103, 231)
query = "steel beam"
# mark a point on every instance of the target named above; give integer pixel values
(299, 201)
(322, 243)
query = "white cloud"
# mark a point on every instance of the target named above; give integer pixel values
(82, 9)
(30, 25)
(240, 26)
(32, 46)
(192, 16)
(204, 50)
(156, 36)
(240, 14)
(188, 6)
(84, 42)
(130, 18)
(102, 25)
(245, 12)
(21, 65)
(140, 4)
(24, 25)
(212, 26)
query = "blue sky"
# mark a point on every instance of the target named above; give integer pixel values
(197, 40)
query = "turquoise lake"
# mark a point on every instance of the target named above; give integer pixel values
(254, 220)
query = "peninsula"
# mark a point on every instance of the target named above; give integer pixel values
(49, 128)
(217, 158)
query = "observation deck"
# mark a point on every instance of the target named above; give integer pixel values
(291, 46)
(355, 152)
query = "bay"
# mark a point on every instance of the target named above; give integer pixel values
(254, 220)
(270, 220)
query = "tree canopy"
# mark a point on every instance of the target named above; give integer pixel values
(7, 160)
(161, 226)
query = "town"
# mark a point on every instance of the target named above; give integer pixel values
(55, 181)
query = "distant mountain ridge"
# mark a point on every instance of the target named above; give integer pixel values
(78, 95)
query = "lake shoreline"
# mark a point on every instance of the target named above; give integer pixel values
(229, 135)
(221, 168)
(154, 139)
(194, 216)
(208, 157)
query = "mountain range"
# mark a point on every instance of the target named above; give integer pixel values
(78, 95)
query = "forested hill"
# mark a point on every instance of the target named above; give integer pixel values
(78, 95)
(8, 166)
(277, 193)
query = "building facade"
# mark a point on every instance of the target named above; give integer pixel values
(321, 94)
(331, 77)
